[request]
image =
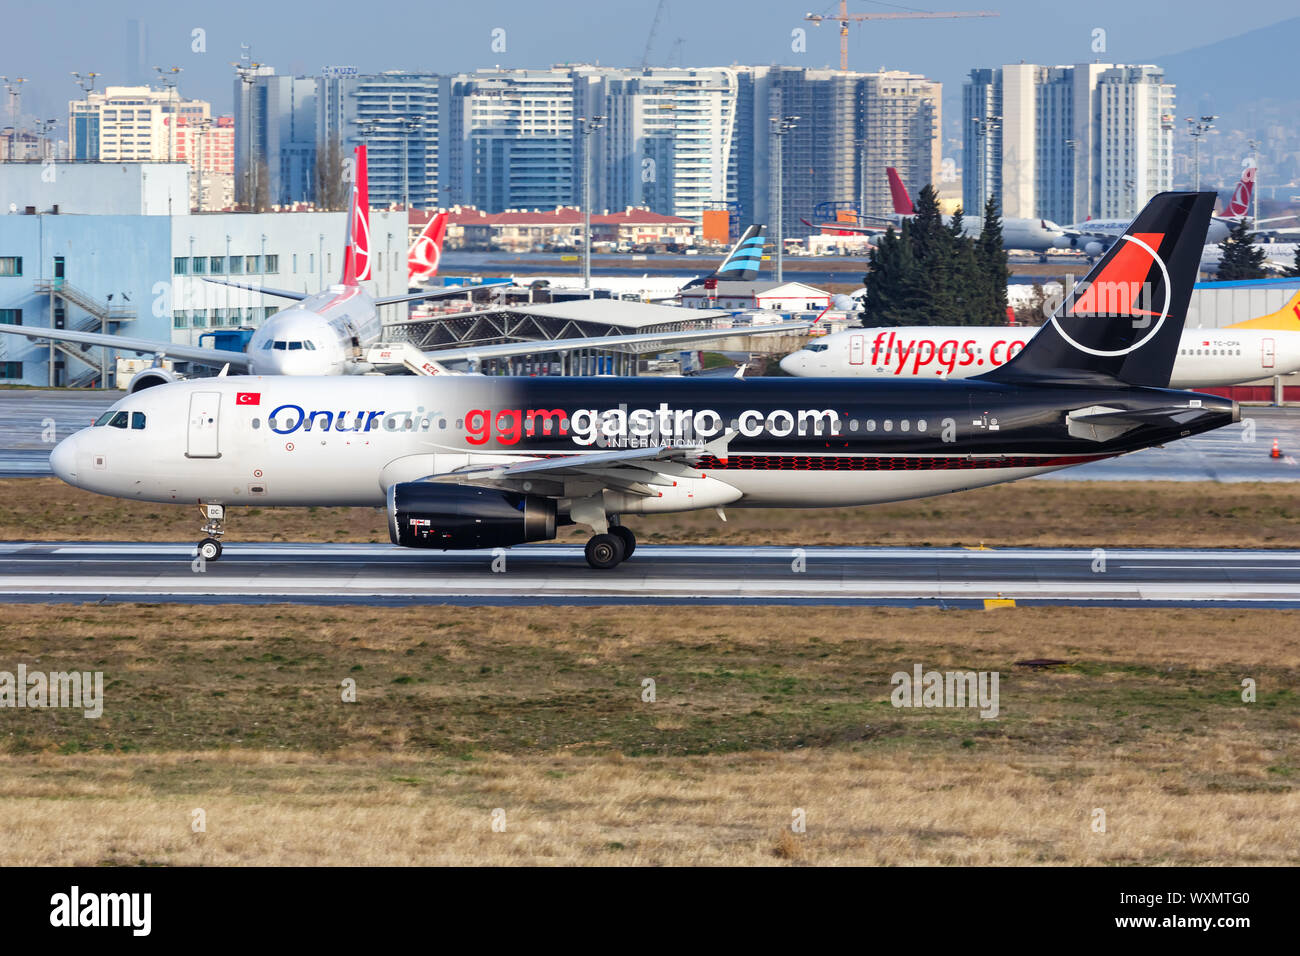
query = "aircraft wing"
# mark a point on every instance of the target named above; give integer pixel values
(443, 293)
(635, 470)
(651, 342)
(265, 290)
(187, 353)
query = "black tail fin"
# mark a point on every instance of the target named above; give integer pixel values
(1123, 322)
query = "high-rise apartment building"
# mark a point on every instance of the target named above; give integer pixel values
(129, 124)
(275, 136)
(399, 117)
(1067, 142)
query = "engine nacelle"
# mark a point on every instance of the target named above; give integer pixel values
(151, 377)
(430, 514)
(1094, 249)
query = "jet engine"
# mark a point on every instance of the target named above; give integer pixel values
(151, 377)
(1093, 249)
(430, 514)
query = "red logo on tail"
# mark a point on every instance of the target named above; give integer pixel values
(356, 257)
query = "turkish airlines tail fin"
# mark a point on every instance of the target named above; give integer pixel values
(426, 252)
(1124, 320)
(1239, 204)
(1285, 319)
(898, 192)
(356, 255)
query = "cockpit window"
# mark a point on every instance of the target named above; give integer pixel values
(815, 347)
(281, 345)
(118, 420)
(266, 346)
(295, 346)
(309, 345)
(137, 421)
(104, 418)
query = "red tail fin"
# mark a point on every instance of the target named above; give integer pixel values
(356, 256)
(1239, 204)
(426, 251)
(898, 192)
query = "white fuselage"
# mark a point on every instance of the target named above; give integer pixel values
(1206, 357)
(1031, 235)
(343, 442)
(323, 334)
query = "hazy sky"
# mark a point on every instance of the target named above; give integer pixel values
(45, 41)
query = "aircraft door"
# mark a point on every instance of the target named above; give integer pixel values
(856, 349)
(205, 422)
(1269, 356)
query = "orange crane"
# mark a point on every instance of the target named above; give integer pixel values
(844, 18)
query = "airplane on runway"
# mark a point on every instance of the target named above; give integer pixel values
(1206, 358)
(1092, 237)
(338, 331)
(742, 264)
(1032, 235)
(487, 462)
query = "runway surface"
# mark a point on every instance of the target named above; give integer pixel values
(28, 419)
(555, 574)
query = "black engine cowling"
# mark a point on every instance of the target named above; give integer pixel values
(429, 514)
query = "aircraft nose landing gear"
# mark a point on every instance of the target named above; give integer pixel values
(209, 548)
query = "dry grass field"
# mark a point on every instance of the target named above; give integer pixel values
(1033, 513)
(539, 713)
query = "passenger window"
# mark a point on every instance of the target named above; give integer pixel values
(119, 420)
(137, 421)
(442, 424)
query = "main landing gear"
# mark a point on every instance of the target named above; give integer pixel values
(606, 551)
(209, 548)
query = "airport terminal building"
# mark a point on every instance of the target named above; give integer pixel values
(113, 247)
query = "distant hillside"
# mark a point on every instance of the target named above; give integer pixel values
(1255, 69)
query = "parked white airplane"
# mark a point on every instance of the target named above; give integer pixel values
(1094, 236)
(338, 331)
(1206, 358)
(1030, 235)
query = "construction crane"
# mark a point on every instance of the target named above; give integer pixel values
(844, 18)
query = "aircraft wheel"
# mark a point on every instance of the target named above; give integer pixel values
(210, 549)
(628, 539)
(604, 551)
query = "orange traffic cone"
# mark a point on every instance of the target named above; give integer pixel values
(1276, 452)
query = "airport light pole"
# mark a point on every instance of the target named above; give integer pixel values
(43, 128)
(1254, 145)
(984, 127)
(862, 179)
(14, 88)
(201, 127)
(1196, 129)
(412, 125)
(170, 76)
(586, 127)
(87, 83)
(246, 71)
(781, 125)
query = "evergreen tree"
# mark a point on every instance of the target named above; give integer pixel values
(1241, 258)
(992, 273)
(966, 280)
(1295, 266)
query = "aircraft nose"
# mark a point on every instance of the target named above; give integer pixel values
(63, 460)
(790, 364)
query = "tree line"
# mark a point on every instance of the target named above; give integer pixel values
(929, 272)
